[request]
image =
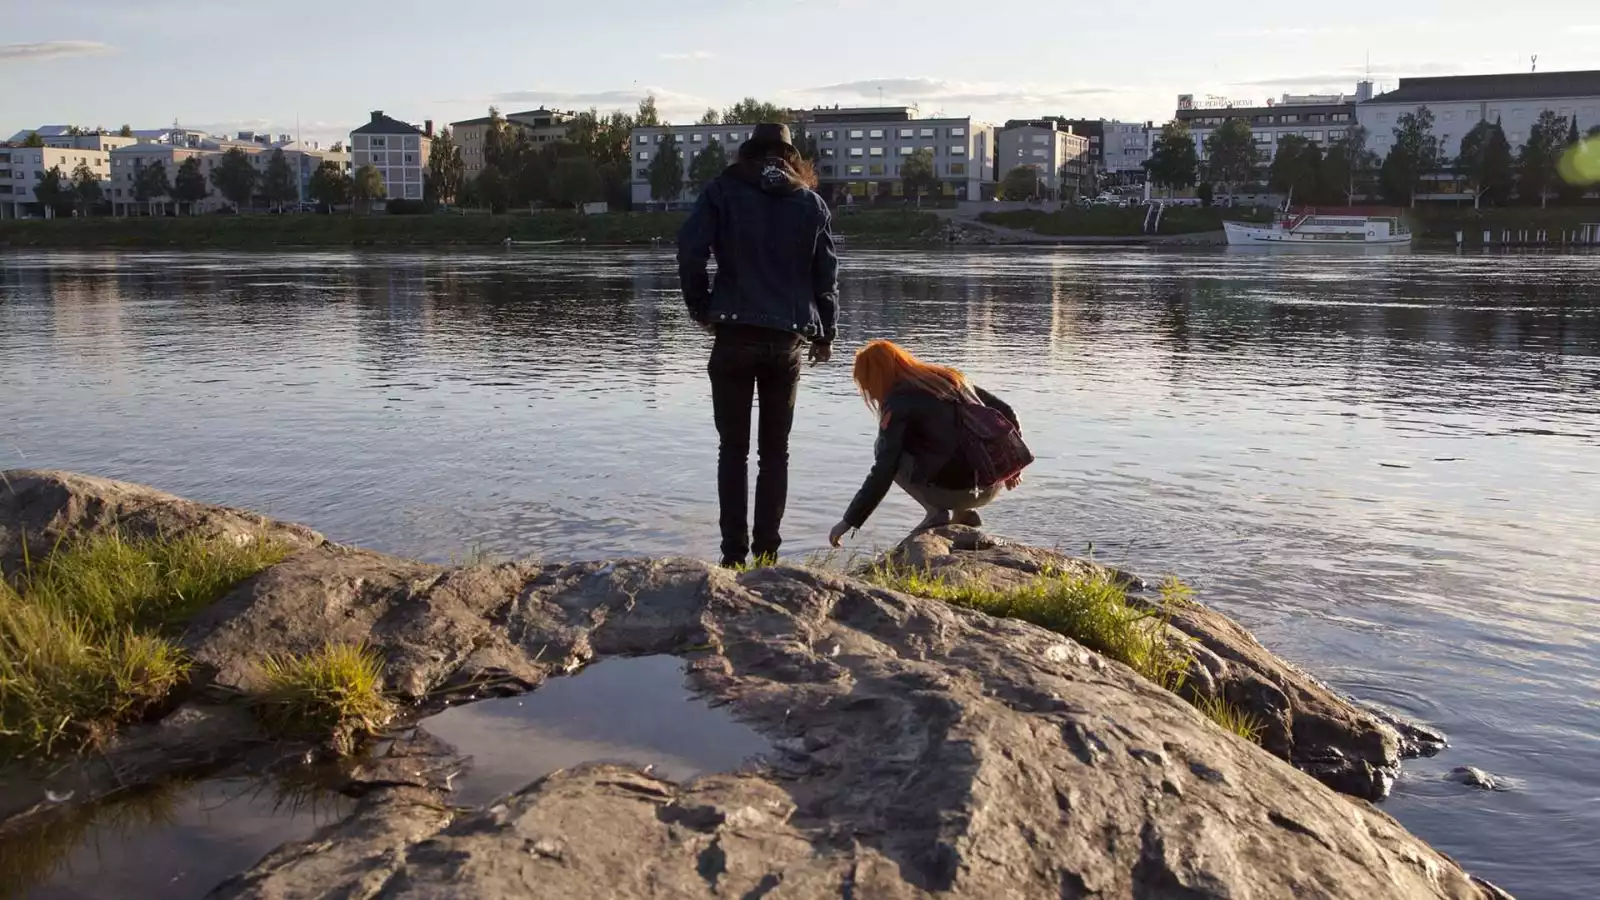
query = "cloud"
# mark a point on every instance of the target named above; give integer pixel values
(41, 50)
(674, 106)
(1286, 31)
(692, 55)
(1582, 29)
(938, 92)
(1343, 79)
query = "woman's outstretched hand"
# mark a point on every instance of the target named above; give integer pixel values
(838, 533)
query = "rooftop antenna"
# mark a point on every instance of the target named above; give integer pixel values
(1535, 60)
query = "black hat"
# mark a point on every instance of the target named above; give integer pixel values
(766, 136)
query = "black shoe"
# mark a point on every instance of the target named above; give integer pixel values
(729, 562)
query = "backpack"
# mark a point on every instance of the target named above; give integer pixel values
(991, 445)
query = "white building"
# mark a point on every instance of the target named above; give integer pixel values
(1125, 146)
(398, 151)
(1321, 119)
(1462, 101)
(859, 151)
(22, 168)
(1061, 156)
(127, 162)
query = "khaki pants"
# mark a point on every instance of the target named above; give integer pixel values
(938, 503)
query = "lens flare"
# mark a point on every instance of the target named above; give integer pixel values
(1580, 165)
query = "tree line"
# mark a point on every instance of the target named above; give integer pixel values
(1543, 169)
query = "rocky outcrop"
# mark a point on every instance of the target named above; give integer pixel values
(1350, 748)
(918, 749)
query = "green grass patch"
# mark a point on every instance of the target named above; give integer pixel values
(85, 633)
(1092, 609)
(336, 691)
(1231, 718)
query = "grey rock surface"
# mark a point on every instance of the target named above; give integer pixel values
(919, 749)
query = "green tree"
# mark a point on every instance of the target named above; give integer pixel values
(494, 189)
(751, 111)
(648, 117)
(1173, 163)
(918, 175)
(1348, 164)
(278, 184)
(604, 140)
(707, 165)
(1414, 156)
(86, 187)
(1570, 191)
(1206, 193)
(710, 117)
(1540, 156)
(330, 185)
(1231, 155)
(189, 186)
(366, 188)
(125, 131)
(578, 180)
(446, 171)
(235, 178)
(1021, 183)
(150, 185)
(33, 140)
(1485, 163)
(666, 170)
(497, 141)
(54, 193)
(1297, 167)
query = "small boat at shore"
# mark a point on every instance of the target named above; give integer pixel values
(1312, 229)
(508, 242)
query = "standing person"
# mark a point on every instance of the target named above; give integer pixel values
(776, 290)
(949, 444)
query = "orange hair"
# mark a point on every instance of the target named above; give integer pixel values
(882, 366)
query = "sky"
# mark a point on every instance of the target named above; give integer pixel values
(227, 65)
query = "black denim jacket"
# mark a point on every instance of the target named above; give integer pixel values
(776, 263)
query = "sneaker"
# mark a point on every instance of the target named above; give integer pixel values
(729, 562)
(934, 520)
(969, 518)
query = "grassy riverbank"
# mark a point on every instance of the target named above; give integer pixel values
(263, 232)
(1107, 221)
(1435, 224)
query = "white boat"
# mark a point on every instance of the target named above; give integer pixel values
(1321, 230)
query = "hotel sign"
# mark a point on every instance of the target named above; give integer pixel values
(1210, 101)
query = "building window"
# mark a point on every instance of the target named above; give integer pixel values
(876, 134)
(958, 168)
(906, 132)
(642, 156)
(644, 139)
(926, 132)
(1041, 139)
(1038, 153)
(829, 135)
(1290, 119)
(1516, 112)
(857, 152)
(958, 151)
(696, 138)
(829, 153)
(377, 143)
(958, 132)
(642, 173)
(875, 169)
(1449, 114)
(411, 157)
(1383, 117)
(875, 151)
(854, 170)
(733, 136)
(857, 134)
(905, 151)
(827, 169)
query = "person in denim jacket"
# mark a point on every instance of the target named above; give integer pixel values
(776, 291)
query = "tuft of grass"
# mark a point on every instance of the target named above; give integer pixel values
(1231, 718)
(1092, 609)
(336, 691)
(84, 640)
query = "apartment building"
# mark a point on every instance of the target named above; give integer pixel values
(1459, 102)
(22, 168)
(1321, 119)
(1126, 148)
(542, 126)
(127, 162)
(860, 151)
(399, 151)
(645, 143)
(1061, 156)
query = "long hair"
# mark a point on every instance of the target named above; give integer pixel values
(753, 155)
(882, 366)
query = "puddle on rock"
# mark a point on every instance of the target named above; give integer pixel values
(634, 711)
(170, 843)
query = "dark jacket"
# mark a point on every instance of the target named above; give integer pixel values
(776, 265)
(922, 425)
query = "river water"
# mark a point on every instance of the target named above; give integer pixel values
(1388, 467)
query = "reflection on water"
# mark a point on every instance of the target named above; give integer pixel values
(1385, 465)
(632, 711)
(173, 842)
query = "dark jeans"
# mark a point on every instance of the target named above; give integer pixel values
(747, 363)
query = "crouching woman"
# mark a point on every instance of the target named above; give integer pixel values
(950, 445)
